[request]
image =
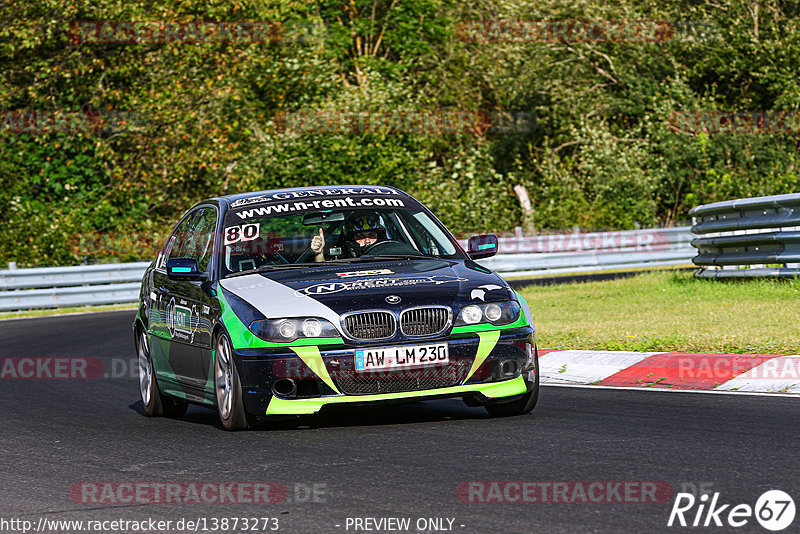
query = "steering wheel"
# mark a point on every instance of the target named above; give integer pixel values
(305, 256)
(389, 247)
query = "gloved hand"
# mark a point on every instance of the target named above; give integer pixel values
(317, 245)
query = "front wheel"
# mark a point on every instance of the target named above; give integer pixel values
(230, 407)
(523, 405)
(155, 403)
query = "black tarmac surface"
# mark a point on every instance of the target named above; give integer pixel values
(403, 461)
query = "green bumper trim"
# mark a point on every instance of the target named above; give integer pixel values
(528, 320)
(311, 406)
(243, 338)
(313, 359)
(487, 342)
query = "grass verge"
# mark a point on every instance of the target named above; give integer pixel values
(65, 311)
(670, 312)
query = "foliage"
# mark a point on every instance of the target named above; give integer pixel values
(205, 118)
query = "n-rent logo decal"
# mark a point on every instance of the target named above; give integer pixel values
(376, 283)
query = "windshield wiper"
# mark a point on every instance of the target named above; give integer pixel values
(276, 267)
(379, 257)
(362, 259)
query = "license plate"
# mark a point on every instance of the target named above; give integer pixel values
(382, 358)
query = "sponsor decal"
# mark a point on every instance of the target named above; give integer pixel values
(179, 321)
(288, 195)
(328, 203)
(376, 283)
(373, 272)
(245, 232)
(480, 292)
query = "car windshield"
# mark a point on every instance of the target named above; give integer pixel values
(254, 240)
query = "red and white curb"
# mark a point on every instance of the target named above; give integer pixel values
(759, 373)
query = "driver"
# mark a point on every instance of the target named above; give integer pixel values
(361, 231)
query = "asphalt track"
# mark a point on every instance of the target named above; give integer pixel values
(395, 461)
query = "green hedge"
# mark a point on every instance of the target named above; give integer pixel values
(205, 119)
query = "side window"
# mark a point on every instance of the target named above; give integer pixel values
(179, 236)
(197, 239)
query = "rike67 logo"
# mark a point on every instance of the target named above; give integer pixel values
(774, 510)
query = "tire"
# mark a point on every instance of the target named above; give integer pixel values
(521, 406)
(228, 388)
(155, 403)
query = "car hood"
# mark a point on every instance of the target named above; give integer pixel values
(392, 285)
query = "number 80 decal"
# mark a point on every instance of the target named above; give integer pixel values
(245, 232)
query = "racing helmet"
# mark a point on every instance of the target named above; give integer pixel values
(362, 222)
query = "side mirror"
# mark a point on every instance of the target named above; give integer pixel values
(482, 246)
(185, 269)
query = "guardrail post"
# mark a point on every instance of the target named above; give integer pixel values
(12, 265)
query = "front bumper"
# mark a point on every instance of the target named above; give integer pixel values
(489, 392)
(485, 367)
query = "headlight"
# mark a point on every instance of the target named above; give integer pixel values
(471, 314)
(312, 328)
(496, 313)
(290, 329)
(493, 312)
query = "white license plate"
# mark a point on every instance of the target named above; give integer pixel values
(382, 358)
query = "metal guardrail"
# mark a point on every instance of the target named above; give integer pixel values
(749, 237)
(543, 255)
(519, 256)
(110, 273)
(57, 287)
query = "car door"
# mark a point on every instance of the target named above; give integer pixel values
(167, 355)
(201, 304)
(187, 303)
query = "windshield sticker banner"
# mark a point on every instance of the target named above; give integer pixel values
(376, 283)
(311, 193)
(328, 203)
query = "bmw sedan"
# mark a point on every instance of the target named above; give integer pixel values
(285, 302)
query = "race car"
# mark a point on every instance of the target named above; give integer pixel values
(286, 302)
